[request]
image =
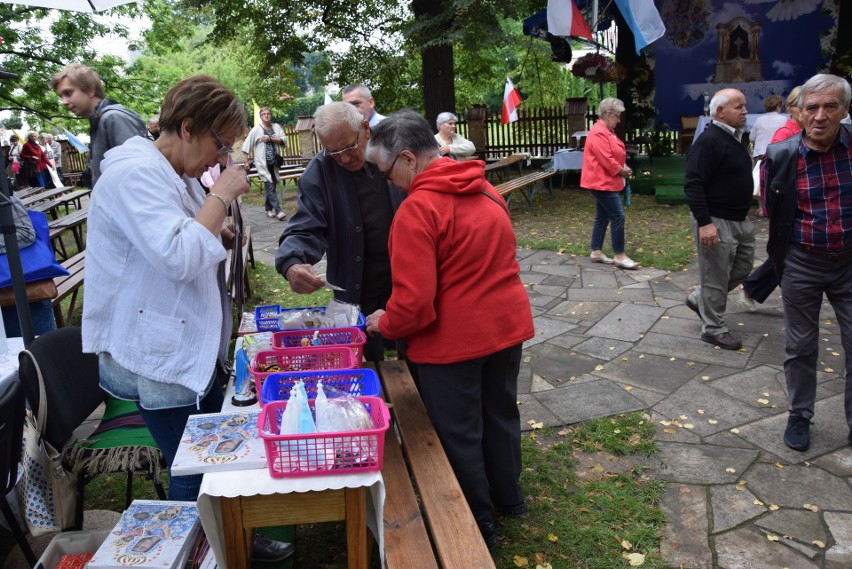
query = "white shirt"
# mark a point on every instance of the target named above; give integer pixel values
(764, 129)
(151, 298)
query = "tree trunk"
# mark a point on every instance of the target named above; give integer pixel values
(439, 91)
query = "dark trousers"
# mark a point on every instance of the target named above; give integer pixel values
(474, 408)
(761, 282)
(167, 425)
(804, 282)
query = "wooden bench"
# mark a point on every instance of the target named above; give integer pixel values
(51, 207)
(44, 194)
(72, 222)
(72, 178)
(439, 531)
(248, 257)
(69, 287)
(526, 184)
(285, 173)
(500, 168)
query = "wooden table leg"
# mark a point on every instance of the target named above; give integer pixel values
(357, 554)
(237, 538)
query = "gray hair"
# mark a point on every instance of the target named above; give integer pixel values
(445, 117)
(328, 118)
(610, 106)
(402, 130)
(358, 87)
(824, 82)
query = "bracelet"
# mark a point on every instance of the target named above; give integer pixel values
(221, 199)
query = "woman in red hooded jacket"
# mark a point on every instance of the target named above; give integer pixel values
(459, 303)
(35, 161)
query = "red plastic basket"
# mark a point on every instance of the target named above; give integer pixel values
(352, 337)
(302, 359)
(323, 453)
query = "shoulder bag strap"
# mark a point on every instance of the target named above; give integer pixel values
(495, 200)
(41, 419)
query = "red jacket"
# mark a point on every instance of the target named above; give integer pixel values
(457, 293)
(603, 157)
(33, 151)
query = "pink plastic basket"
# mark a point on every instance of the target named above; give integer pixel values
(300, 359)
(352, 337)
(323, 453)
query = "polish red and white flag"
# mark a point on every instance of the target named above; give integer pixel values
(511, 100)
(565, 20)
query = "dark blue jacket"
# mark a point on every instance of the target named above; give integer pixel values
(328, 221)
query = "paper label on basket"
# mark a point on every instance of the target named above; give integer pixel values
(216, 442)
(150, 533)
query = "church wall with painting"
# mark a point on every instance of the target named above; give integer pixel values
(761, 47)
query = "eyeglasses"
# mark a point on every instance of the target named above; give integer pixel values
(349, 148)
(389, 172)
(222, 148)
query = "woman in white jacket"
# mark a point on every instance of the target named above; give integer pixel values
(262, 142)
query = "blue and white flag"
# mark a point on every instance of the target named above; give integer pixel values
(643, 19)
(75, 142)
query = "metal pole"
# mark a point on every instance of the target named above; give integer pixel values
(13, 252)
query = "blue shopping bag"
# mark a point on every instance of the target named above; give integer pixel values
(37, 260)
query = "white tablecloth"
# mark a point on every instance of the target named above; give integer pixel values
(704, 122)
(568, 159)
(259, 482)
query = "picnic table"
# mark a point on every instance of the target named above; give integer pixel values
(42, 195)
(50, 207)
(500, 168)
(28, 192)
(72, 222)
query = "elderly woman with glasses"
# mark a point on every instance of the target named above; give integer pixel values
(451, 143)
(154, 311)
(459, 303)
(604, 173)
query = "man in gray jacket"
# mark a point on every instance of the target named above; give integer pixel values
(82, 93)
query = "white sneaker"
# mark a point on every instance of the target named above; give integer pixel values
(749, 303)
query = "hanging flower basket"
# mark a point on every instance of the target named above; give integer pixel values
(596, 68)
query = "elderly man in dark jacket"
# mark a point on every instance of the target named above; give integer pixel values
(808, 190)
(345, 208)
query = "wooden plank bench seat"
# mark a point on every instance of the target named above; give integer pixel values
(72, 222)
(70, 198)
(285, 173)
(439, 531)
(526, 184)
(500, 168)
(69, 286)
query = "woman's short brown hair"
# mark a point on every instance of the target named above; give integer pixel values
(206, 103)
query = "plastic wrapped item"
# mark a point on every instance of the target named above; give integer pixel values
(342, 313)
(304, 318)
(254, 343)
(340, 411)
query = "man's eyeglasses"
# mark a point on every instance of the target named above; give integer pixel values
(222, 148)
(349, 148)
(389, 172)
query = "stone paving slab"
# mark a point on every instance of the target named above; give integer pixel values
(732, 504)
(626, 322)
(795, 485)
(707, 409)
(684, 540)
(577, 403)
(748, 548)
(703, 464)
(655, 373)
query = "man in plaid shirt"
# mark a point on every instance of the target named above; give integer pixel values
(808, 183)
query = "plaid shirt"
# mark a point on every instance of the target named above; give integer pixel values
(823, 219)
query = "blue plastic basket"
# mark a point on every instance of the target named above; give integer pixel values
(361, 382)
(266, 317)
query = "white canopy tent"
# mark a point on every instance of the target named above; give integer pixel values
(91, 6)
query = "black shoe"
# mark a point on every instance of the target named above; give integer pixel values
(489, 534)
(726, 341)
(798, 433)
(692, 306)
(519, 511)
(267, 550)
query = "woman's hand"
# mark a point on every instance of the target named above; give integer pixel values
(232, 183)
(373, 322)
(625, 171)
(444, 150)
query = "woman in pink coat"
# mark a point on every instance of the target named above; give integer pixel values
(604, 171)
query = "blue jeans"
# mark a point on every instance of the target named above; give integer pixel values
(42, 318)
(167, 425)
(271, 188)
(608, 211)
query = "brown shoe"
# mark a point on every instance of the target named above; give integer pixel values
(726, 341)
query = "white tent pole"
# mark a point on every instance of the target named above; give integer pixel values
(594, 15)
